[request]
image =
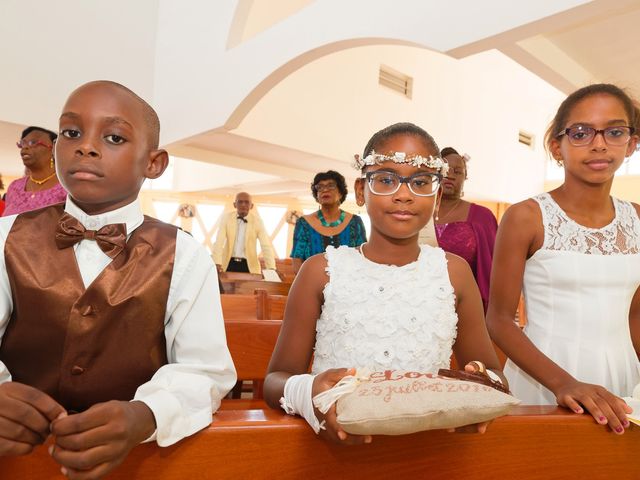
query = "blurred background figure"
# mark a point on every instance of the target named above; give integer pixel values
(235, 246)
(40, 186)
(465, 228)
(330, 225)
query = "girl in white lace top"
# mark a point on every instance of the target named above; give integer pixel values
(575, 252)
(390, 304)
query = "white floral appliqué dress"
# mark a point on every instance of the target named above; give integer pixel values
(386, 317)
(578, 289)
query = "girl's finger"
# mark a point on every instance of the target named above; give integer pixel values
(569, 402)
(592, 407)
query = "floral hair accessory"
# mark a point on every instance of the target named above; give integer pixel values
(401, 157)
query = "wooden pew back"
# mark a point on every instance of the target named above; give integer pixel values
(532, 443)
(251, 343)
(274, 308)
(250, 286)
(239, 276)
(237, 306)
(260, 306)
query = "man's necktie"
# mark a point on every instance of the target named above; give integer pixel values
(111, 238)
(243, 219)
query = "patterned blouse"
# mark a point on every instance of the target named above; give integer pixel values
(308, 242)
(18, 200)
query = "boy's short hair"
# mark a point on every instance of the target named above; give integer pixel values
(150, 116)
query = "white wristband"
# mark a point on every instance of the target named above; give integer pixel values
(297, 399)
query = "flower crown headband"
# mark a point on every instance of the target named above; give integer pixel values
(401, 157)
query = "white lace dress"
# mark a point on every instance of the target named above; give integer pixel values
(578, 289)
(386, 317)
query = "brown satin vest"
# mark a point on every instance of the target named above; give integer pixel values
(85, 346)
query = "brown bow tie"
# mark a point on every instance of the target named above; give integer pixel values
(111, 238)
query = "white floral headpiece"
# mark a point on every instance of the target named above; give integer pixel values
(401, 157)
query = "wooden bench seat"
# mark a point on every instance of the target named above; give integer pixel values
(533, 443)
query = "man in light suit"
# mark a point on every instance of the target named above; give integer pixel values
(235, 246)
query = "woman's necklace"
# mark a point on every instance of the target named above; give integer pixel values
(331, 224)
(441, 219)
(44, 180)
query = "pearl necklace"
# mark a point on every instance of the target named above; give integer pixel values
(44, 180)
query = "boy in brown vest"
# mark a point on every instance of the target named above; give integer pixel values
(111, 327)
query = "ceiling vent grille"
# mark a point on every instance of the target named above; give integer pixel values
(395, 80)
(525, 138)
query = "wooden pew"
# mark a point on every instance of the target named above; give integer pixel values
(228, 280)
(250, 286)
(238, 306)
(274, 307)
(251, 343)
(234, 276)
(260, 305)
(532, 443)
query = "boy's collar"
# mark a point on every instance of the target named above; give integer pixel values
(130, 214)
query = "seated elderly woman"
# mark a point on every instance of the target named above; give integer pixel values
(330, 225)
(40, 186)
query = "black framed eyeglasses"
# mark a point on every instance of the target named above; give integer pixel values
(320, 187)
(422, 184)
(582, 135)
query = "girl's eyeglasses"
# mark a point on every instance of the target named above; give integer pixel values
(422, 184)
(581, 135)
(31, 143)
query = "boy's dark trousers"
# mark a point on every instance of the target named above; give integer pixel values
(238, 265)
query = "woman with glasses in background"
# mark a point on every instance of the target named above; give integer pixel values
(40, 186)
(330, 225)
(464, 228)
(576, 252)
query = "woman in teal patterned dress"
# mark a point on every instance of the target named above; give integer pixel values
(330, 225)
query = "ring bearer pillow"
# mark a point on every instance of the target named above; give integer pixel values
(397, 402)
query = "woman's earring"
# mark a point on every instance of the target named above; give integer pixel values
(51, 163)
(559, 162)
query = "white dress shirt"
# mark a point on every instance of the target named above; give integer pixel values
(184, 393)
(238, 246)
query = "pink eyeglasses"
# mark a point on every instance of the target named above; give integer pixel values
(31, 143)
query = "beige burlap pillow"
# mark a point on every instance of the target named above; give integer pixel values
(395, 402)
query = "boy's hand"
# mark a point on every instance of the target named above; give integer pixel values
(332, 430)
(90, 444)
(26, 414)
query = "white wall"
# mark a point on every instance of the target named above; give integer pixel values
(477, 105)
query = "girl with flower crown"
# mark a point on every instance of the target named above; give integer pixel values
(388, 304)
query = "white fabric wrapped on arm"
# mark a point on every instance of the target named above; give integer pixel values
(297, 399)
